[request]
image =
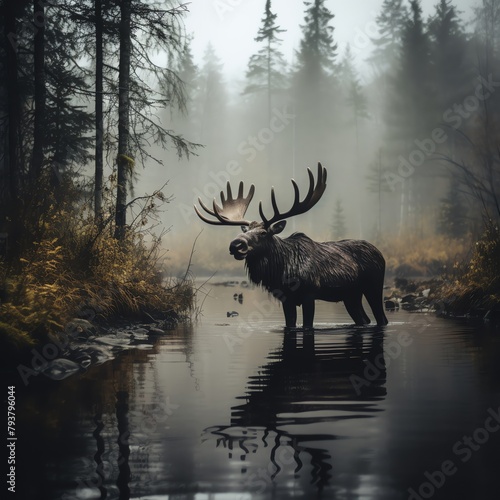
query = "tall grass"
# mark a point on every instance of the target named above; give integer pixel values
(411, 255)
(75, 267)
(474, 284)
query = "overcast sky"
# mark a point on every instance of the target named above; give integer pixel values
(231, 26)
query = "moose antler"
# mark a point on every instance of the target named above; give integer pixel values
(232, 211)
(299, 207)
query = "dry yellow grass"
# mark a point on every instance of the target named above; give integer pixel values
(78, 268)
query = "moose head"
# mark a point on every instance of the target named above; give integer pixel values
(257, 235)
(298, 270)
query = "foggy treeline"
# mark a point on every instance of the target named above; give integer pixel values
(409, 138)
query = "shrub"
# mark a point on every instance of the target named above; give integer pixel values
(475, 284)
(75, 265)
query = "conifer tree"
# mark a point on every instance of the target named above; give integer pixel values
(339, 228)
(391, 22)
(124, 159)
(317, 49)
(453, 213)
(448, 50)
(314, 84)
(267, 68)
(410, 113)
(211, 98)
(412, 84)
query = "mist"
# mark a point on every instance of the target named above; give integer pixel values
(390, 112)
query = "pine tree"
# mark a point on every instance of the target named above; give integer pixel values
(211, 99)
(317, 49)
(68, 143)
(187, 70)
(267, 68)
(487, 23)
(413, 81)
(391, 22)
(339, 228)
(99, 106)
(410, 114)
(453, 213)
(40, 93)
(353, 91)
(377, 184)
(124, 159)
(487, 62)
(451, 75)
(314, 84)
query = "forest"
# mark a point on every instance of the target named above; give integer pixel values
(111, 130)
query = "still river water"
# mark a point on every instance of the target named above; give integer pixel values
(232, 408)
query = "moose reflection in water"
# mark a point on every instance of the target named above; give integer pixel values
(306, 385)
(298, 270)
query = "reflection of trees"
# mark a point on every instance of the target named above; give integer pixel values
(305, 382)
(99, 440)
(123, 444)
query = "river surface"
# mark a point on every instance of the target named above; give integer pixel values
(231, 407)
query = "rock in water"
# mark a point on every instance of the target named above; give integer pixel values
(60, 368)
(80, 328)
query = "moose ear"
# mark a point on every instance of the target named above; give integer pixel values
(277, 227)
(245, 228)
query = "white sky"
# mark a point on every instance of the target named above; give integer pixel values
(231, 26)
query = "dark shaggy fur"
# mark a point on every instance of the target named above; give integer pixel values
(298, 270)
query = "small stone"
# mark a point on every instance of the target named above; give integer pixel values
(60, 368)
(78, 327)
(153, 330)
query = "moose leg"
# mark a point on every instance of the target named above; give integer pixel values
(308, 312)
(355, 309)
(290, 311)
(374, 298)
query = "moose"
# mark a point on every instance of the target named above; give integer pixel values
(297, 270)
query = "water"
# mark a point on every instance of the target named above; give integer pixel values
(232, 408)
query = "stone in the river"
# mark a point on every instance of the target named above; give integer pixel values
(78, 327)
(153, 330)
(114, 341)
(99, 353)
(60, 368)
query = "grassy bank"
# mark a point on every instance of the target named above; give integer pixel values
(74, 267)
(473, 286)
(463, 275)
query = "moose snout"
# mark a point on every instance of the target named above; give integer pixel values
(238, 248)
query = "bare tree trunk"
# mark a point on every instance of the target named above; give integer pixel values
(13, 108)
(123, 160)
(39, 74)
(11, 198)
(99, 125)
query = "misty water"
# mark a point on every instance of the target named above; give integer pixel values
(231, 407)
